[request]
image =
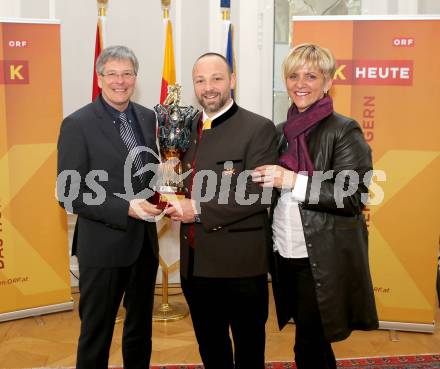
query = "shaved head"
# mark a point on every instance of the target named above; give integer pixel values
(210, 54)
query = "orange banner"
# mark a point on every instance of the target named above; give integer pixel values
(387, 79)
(34, 264)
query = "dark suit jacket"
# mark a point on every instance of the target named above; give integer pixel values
(105, 236)
(232, 240)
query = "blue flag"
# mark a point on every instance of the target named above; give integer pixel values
(230, 52)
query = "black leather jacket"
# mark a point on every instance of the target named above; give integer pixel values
(335, 230)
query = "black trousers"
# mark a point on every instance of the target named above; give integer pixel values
(220, 304)
(101, 291)
(312, 350)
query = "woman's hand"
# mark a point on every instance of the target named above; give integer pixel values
(274, 176)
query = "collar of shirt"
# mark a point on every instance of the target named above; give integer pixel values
(115, 113)
(221, 112)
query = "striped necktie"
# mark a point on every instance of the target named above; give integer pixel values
(127, 135)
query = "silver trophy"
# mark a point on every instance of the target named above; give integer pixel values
(174, 136)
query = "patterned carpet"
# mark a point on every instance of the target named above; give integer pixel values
(390, 362)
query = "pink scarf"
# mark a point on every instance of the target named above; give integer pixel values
(296, 130)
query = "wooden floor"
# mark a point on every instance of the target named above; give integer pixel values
(50, 341)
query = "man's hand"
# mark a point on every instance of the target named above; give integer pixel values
(142, 209)
(274, 176)
(182, 210)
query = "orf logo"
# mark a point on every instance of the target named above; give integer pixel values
(374, 72)
(14, 72)
(404, 42)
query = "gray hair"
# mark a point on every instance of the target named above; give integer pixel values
(117, 52)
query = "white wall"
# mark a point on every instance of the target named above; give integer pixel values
(10, 8)
(254, 54)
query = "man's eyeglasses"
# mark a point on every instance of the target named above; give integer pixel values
(113, 76)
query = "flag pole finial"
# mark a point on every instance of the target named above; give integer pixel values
(102, 7)
(165, 7)
(225, 5)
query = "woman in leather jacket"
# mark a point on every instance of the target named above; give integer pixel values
(320, 275)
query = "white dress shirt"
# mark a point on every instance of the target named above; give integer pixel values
(288, 233)
(221, 112)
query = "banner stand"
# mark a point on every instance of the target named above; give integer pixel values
(34, 260)
(26, 313)
(387, 80)
(410, 327)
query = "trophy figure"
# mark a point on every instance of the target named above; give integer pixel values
(174, 135)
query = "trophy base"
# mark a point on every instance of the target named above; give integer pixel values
(168, 194)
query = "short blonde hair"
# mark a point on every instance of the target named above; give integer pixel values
(311, 55)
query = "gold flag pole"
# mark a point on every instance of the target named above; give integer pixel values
(166, 311)
(165, 8)
(225, 14)
(102, 7)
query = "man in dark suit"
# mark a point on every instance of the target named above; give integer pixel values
(225, 241)
(115, 240)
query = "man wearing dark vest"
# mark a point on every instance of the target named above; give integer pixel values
(115, 236)
(225, 241)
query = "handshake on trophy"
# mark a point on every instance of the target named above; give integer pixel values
(174, 135)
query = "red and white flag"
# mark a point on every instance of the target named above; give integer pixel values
(99, 45)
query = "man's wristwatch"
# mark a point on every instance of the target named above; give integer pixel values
(197, 218)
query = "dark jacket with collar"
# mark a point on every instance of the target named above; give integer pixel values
(335, 231)
(232, 239)
(105, 236)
